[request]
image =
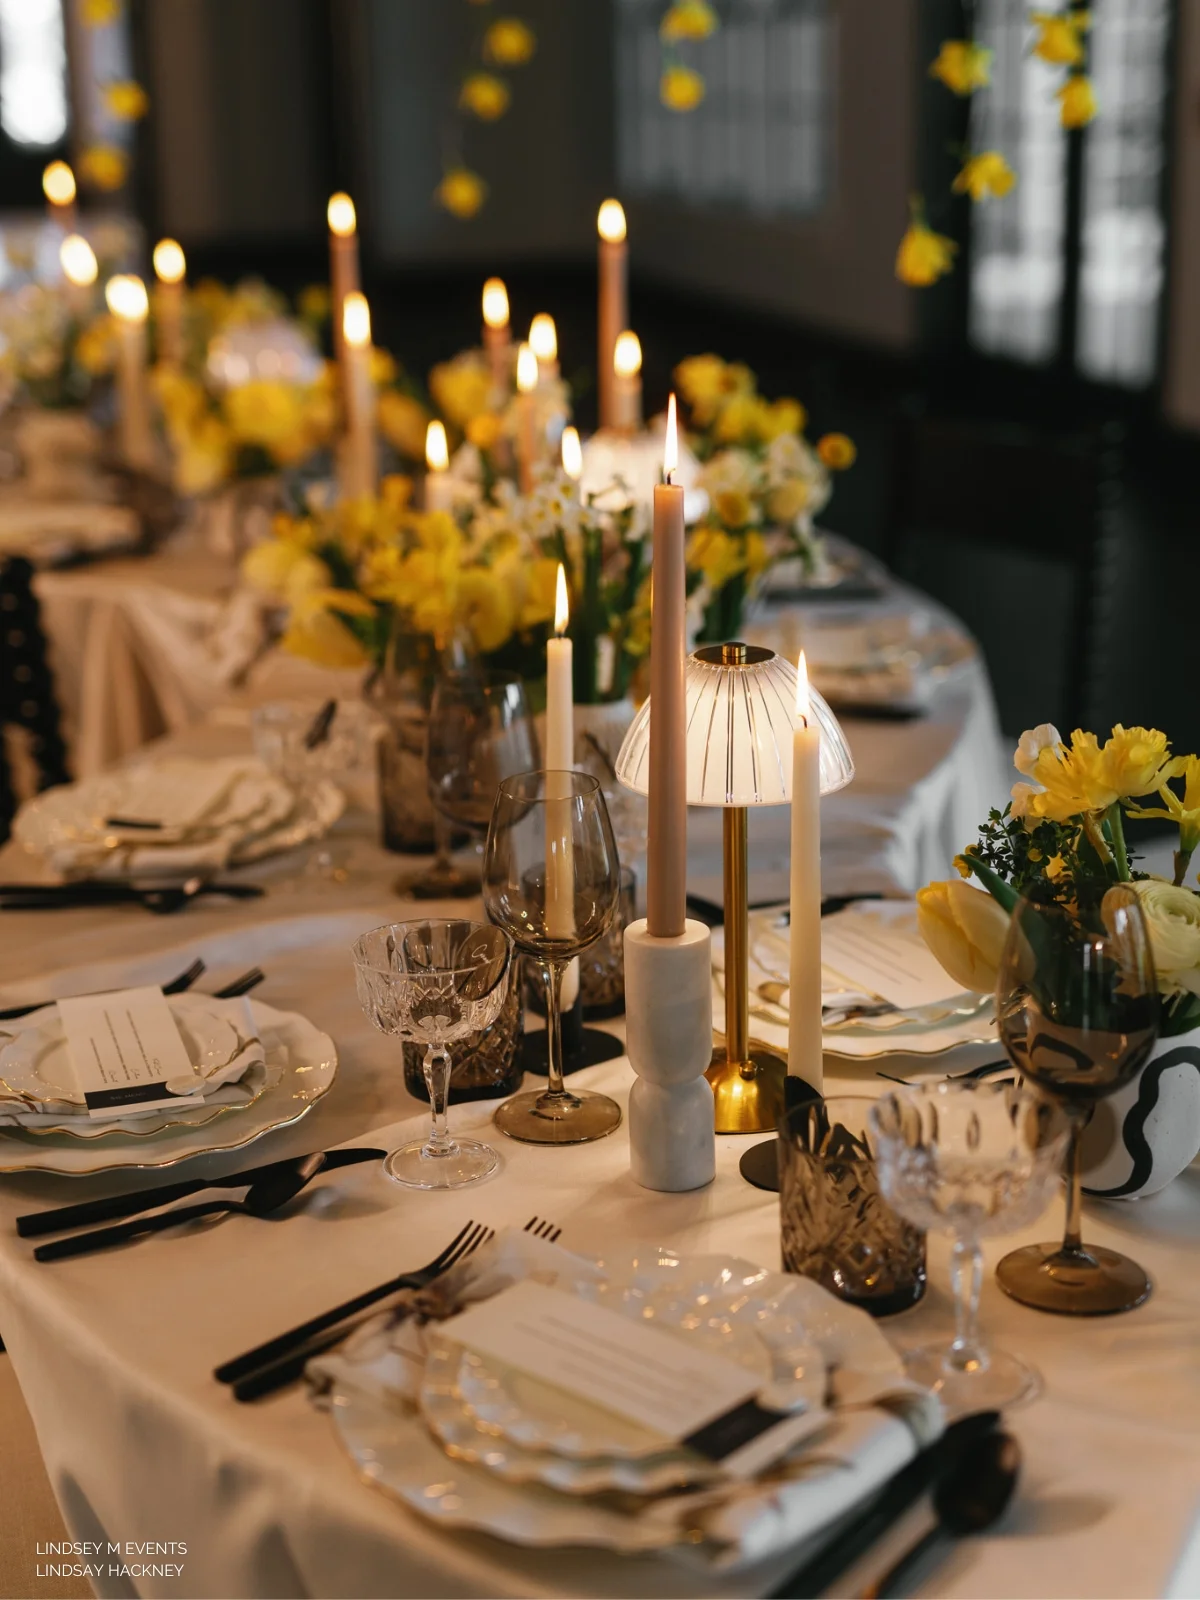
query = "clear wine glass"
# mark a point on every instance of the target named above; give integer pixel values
(1077, 1009)
(969, 1159)
(434, 983)
(551, 879)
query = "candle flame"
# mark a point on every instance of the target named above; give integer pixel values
(170, 264)
(127, 298)
(610, 222)
(356, 319)
(341, 216)
(627, 355)
(543, 337)
(495, 303)
(562, 612)
(58, 184)
(527, 369)
(437, 450)
(803, 699)
(670, 443)
(78, 260)
(572, 454)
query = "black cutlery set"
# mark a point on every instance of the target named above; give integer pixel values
(89, 893)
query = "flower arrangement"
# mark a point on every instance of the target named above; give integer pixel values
(1061, 840)
(765, 483)
(50, 353)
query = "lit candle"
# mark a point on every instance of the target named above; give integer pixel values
(666, 835)
(560, 750)
(613, 312)
(572, 454)
(80, 269)
(527, 382)
(169, 268)
(360, 469)
(58, 185)
(627, 383)
(439, 490)
(497, 336)
(805, 1056)
(130, 306)
(343, 267)
(543, 341)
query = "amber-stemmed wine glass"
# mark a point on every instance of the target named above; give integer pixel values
(1077, 1008)
(550, 880)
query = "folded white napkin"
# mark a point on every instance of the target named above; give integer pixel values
(47, 531)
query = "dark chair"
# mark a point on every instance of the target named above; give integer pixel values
(27, 698)
(1015, 529)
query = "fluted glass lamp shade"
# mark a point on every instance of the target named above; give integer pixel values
(740, 720)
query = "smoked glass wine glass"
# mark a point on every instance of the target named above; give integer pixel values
(1077, 1009)
(551, 879)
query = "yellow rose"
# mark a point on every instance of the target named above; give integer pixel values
(734, 507)
(537, 604)
(104, 166)
(1173, 922)
(787, 501)
(1077, 101)
(680, 88)
(837, 451)
(126, 101)
(485, 96)
(965, 929)
(1059, 38)
(688, 19)
(985, 176)
(509, 42)
(924, 256)
(402, 421)
(962, 66)
(461, 193)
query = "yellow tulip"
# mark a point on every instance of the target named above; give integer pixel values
(965, 929)
(688, 19)
(962, 66)
(485, 608)
(104, 166)
(509, 42)
(985, 176)
(485, 96)
(924, 256)
(402, 421)
(1059, 38)
(461, 192)
(1077, 101)
(680, 88)
(126, 101)
(837, 451)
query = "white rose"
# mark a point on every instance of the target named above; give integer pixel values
(730, 472)
(1173, 920)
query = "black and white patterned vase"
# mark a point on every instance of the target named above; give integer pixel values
(1149, 1131)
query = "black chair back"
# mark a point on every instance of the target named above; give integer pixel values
(27, 698)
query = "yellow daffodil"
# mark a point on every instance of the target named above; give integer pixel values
(1077, 101)
(688, 19)
(319, 636)
(715, 555)
(461, 388)
(284, 569)
(402, 422)
(787, 500)
(485, 96)
(707, 383)
(837, 451)
(963, 66)
(1059, 39)
(485, 608)
(924, 256)
(755, 556)
(537, 603)
(985, 176)
(269, 414)
(737, 420)
(1181, 809)
(680, 88)
(484, 430)
(99, 13)
(509, 42)
(461, 192)
(733, 507)
(104, 166)
(1085, 776)
(126, 101)
(201, 457)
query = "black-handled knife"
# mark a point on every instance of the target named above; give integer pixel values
(86, 1212)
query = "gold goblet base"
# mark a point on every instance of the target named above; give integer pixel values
(572, 1117)
(747, 1095)
(1090, 1282)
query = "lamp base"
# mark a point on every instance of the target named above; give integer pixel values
(748, 1095)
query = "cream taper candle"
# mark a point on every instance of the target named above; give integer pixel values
(543, 341)
(58, 185)
(527, 382)
(560, 753)
(170, 266)
(80, 269)
(343, 269)
(439, 490)
(359, 460)
(666, 835)
(627, 383)
(497, 335)
(805, 1051)
(613, 308)
(127, 300)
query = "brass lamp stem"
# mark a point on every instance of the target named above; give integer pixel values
(737, 937)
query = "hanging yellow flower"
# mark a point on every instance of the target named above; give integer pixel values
(1077, 101)
(985, 176)
(837, 451)
(313, 302)
(963, 66)
(99, 13)
(680, 88)
(688, 19)
(126, 100)
(104, 166)
(461, 192)
(1060, 36)
(509, 42)
(485, 96)
(402, 421)
(924, 256)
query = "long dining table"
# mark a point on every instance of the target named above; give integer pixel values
(115, 1352)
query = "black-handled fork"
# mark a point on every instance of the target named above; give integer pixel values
(178, 985)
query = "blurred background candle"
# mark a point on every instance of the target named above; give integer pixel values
(627, 383)
(58, 185)
(343, 267)
(613, 310)
(666, 835)
(572, 454)
(170, 265)
(360, 469)
(805, 1053)
(560, 750)
(527, 382)
(497, 335)
(130, 306)
(543, 340)
(439, 491)
(80, 269)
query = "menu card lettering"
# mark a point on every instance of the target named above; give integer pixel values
(127, 1052)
